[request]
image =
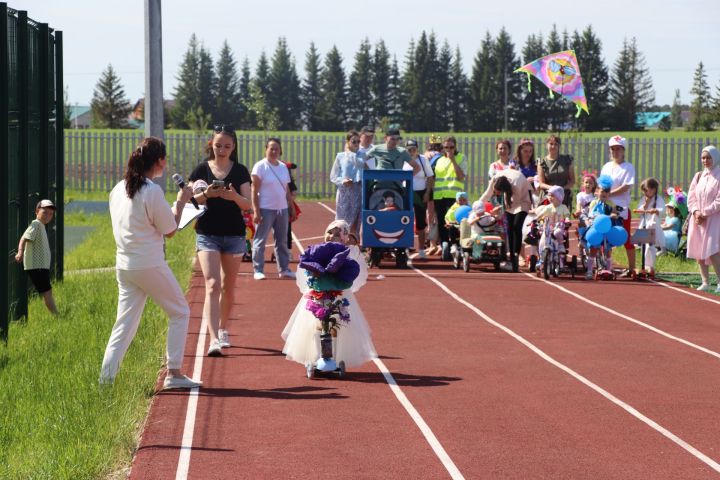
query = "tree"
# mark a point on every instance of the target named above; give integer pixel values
(284, 88)
(207, 82)
(482, 94)
(67, 112)
(311, 89)
(503, 79)
(247, 120)
(334, 92)
(408, 94)
(588, 50)
(700, 116)
(380, 81)
(394, 112)
(631, 88)
(676, 119)
(715, 112)
(360, 100)
(422, 99)
(457, 95)
(261, 112)
(533, 116)
(187, 84)
(229, 108)
(110, 107)
(442, 89)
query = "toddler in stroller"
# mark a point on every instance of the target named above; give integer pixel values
(555, 218)
(482, 237)
(600, 256)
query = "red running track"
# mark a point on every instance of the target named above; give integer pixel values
(523, 380)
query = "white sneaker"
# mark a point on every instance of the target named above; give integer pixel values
(717, 290)
(703, 288)
(286, 274)
(421, 254)
(180, 382)
(224, 338)
(453, 249)
(589, 275)
(259, 276)
(214, 350)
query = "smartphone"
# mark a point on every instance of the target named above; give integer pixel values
(218, 183)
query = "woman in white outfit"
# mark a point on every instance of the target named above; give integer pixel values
(140, 219)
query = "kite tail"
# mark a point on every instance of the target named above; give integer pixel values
(579, 111)
(529, 84)
(552, 95)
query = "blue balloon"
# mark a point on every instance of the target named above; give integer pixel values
(602, 224)
(462, 211)
(593, 237)
(617, 236)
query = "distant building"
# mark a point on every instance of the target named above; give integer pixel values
(80, 116)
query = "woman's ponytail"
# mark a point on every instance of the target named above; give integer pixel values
(141, 161)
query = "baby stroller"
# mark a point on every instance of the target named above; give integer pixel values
(487, 245)
(554, 254)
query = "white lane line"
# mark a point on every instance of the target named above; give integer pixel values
(189, 430)
(412, 411)
(628, 408)
(326, 207)
(419, 421)
(628, 318)
(687, 292)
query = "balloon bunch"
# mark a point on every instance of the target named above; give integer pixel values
(462, 212)
(602, 229)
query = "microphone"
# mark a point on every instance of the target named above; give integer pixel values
(181, 183)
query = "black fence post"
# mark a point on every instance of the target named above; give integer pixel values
(59, 158)
(9, 262)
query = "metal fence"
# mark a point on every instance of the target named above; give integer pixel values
(95, 161)
(31, 144)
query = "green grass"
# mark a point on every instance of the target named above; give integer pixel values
(55, 421)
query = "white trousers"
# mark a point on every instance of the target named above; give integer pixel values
(134, 287)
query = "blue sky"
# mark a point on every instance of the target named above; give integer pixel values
(673, 35)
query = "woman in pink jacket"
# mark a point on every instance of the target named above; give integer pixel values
(704, 206)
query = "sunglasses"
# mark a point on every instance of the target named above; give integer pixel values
(222, 128)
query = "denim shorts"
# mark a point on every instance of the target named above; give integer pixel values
(233, 244)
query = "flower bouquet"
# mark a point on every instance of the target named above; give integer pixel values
(330, 272)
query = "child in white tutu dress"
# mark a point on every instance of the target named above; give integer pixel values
(301, 334)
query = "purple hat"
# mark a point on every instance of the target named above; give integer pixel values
(557, 192)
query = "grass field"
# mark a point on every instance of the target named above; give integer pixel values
(55, 421)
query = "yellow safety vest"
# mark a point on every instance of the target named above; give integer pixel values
(446, 182)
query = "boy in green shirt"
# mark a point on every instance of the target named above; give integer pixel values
(34, 252)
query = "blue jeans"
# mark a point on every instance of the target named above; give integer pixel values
(278, 221)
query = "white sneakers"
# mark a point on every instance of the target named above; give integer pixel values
(259, 276)
(214, 350)
(286, 274)
(224, 338)
(703, 288)
(180, 382)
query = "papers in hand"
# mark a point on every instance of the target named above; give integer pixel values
(189, 214)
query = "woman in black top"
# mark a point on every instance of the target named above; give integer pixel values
(220, 231)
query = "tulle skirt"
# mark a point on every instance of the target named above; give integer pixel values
(302, 344)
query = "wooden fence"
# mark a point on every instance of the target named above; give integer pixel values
(95, 161)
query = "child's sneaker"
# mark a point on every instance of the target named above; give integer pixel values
(589, 275)
(421, 254)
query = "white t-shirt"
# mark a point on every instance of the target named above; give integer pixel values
(623, 174)
(420, 178)
(274, 182)
(139, 225)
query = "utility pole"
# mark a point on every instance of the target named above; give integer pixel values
(154, 113)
